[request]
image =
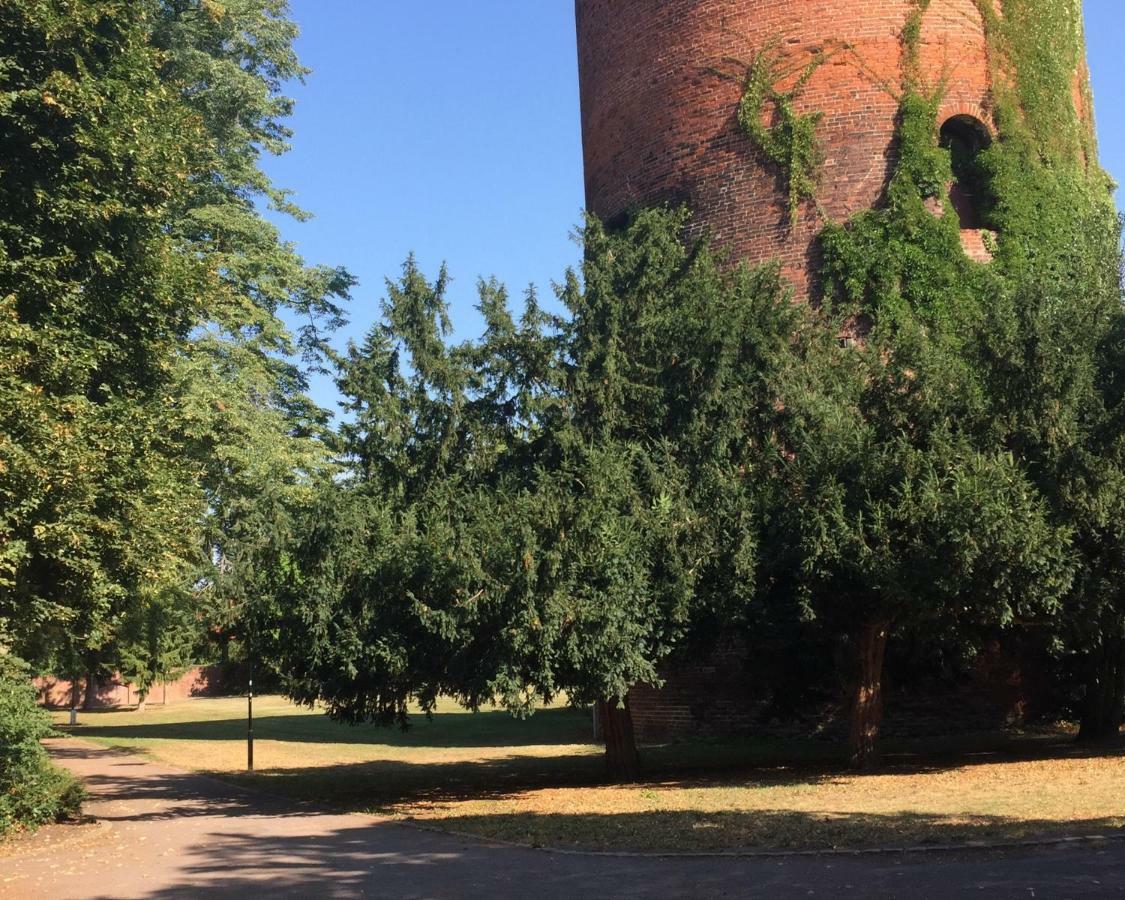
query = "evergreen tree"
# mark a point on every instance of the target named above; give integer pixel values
(550, 509)
(972, 384)
(372, 605)
(1054, 354)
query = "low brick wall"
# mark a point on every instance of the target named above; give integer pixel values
(60, 693)
(712, 695)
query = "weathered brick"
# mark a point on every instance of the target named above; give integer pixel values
(660, 125)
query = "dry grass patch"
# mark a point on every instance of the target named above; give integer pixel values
(538, 782)
(995, 800)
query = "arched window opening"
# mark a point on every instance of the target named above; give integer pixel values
(965, 138)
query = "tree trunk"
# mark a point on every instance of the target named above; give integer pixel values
(623, 762)
(91, 698)
(142, 700)
(867, 694)
(75, 691)
(1103, 711)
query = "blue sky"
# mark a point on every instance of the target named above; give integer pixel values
(451, 129)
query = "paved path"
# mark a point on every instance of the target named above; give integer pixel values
(165, 833)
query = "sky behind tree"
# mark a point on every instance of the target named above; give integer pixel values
(452, 130)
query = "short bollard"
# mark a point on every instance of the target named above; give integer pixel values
(74, 715)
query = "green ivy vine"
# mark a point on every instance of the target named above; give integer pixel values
(1048, 202)
(790, 141)
(1042, 171)
(1036, 47)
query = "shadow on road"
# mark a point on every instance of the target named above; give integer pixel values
(132, 789)
(385, 860)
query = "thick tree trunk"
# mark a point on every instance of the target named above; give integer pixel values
(1103, 711)
(91, 698)
(623, 762)
(867, 694)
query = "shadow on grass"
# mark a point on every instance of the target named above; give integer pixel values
(386, 786)
(391, 786)
(261, 843)
(813, 759)
(482, 729)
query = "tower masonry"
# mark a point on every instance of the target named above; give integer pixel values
(662, 82)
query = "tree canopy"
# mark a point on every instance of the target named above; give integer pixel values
(151, 390)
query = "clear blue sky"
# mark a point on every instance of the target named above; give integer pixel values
(451, 129)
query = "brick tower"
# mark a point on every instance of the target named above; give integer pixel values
(660, 121)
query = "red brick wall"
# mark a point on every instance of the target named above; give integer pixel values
(657, 125)
(57, 693)
(710, 695)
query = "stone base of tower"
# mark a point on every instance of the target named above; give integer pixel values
(714, 695)
(711, 696)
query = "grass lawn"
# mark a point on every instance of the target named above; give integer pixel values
(539, 781)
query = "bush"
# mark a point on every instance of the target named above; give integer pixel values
(32, 790)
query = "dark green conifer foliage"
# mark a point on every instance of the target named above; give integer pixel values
(975, 383)
(380, 589)
(553, 508)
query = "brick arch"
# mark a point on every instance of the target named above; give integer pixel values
(979, 111)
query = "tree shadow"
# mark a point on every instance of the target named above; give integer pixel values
(395, 786)
(139, 790)
(259, 841)
(920, 756)
(388, 786)
(804, 757)
(481, 729)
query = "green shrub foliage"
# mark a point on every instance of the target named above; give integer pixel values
(32, 791)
